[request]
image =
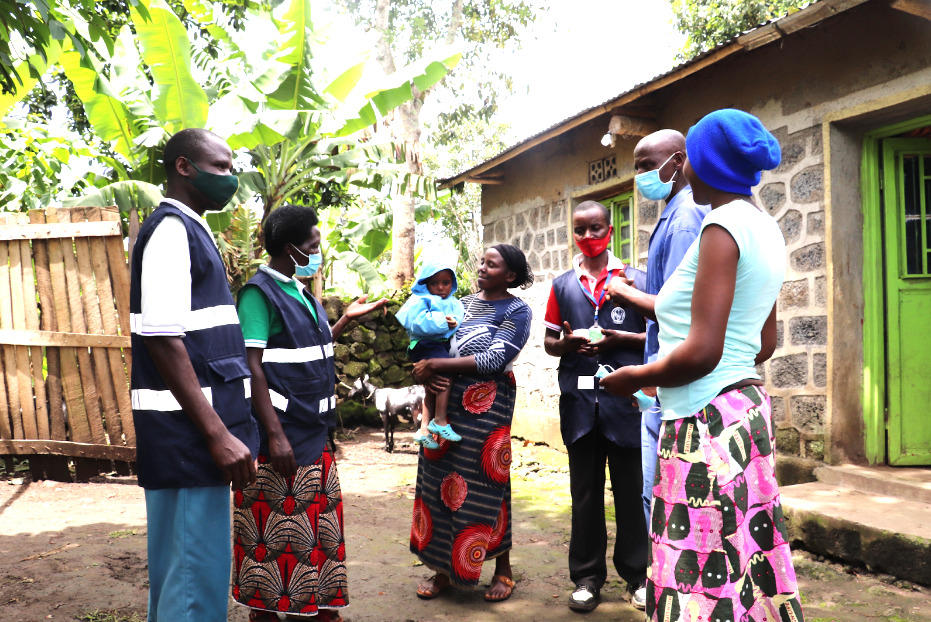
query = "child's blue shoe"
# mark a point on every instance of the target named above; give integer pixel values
(427, 441)
(445, 431)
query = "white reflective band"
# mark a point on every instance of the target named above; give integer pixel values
(211, 317)
(162, 401)
(332, 401)
(293, 355)
(328, 349)
(279, 401)
(324, 405)
(200, 319)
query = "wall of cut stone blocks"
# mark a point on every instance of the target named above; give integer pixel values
(796, 375)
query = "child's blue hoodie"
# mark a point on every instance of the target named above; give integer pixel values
(423, 316)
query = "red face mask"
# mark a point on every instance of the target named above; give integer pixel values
(592, 247)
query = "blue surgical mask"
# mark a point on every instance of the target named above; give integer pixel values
(651, 186)
(310, 268)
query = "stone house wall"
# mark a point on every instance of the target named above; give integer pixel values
(796, 375)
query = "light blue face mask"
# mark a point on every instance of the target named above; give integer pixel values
(651, 186)
(310, 268)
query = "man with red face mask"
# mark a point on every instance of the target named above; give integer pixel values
(592, 337)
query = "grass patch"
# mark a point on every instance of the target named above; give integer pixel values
(112, 615)
(122, 533)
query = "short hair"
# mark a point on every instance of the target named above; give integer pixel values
(516, 262)
(288, 224)
(188, 143)
(584, 206)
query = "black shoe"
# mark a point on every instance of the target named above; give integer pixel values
(584, 598)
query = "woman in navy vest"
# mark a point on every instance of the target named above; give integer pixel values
(462, 504)
(288, 549)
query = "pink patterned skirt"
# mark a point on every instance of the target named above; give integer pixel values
(720, 548)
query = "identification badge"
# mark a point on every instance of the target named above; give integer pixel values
(586, 383)
(595, 334)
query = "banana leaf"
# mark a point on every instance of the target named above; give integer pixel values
(180, 102)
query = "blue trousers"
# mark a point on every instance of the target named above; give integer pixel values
(190, 553)
(650, 424)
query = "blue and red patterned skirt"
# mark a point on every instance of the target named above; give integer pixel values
(462, 505)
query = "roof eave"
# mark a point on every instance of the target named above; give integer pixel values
(758, 37)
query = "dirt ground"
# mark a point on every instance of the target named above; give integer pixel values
(77, 552)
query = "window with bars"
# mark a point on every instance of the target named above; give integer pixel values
(622, 244)
(916, 221)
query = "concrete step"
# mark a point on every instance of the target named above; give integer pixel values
(878, 529)
(906, 483)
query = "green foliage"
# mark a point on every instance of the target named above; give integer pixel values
(39, 167)
(31, 30)
(485, 29)
(709, 23)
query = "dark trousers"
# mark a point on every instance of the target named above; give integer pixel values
(588, 543)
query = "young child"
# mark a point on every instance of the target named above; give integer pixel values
(430, 316)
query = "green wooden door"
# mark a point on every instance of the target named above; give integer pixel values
(907, 225)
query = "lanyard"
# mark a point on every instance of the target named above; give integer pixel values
(591, 296)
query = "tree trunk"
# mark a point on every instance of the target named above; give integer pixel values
(406, 129)
(403, 236)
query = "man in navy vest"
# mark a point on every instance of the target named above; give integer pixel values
(593, 336)
(659, 159)
(190, 386)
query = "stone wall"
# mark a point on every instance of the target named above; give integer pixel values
(375, 345)
(796, 376)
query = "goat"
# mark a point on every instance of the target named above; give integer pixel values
(390, 404)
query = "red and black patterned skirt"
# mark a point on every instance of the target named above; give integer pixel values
(288, 548)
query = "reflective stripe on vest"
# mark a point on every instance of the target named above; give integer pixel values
(198, 319)
(165, 401)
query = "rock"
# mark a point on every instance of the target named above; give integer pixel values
(385, 359)
(808, 412)
(400, 340)
(394, 375)
(382, 342)
(362, 353)
(354, 369)
(353, 414)
(375, 368)
(787, 441)
(809, 331)
(789, 371)
(341, 352)
(362, 334)
(808, 185)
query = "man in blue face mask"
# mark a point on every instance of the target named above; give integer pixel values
(659, 159)
(190, 386)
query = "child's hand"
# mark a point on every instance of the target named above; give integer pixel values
(451, 321)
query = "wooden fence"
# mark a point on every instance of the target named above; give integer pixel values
(64, 341)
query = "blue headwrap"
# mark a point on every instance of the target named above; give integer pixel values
(728, 148)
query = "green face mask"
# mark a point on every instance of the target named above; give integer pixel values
(218, 188)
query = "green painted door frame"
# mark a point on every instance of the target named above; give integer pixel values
(883, 342)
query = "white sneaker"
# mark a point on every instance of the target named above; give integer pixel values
(639, 598)
(584, 598)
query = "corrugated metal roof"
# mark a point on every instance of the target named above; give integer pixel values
(771, 30)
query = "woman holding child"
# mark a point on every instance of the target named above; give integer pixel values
(462, 506)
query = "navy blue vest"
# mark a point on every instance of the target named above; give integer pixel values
(171, 452)
(299, 367)
(616, 418)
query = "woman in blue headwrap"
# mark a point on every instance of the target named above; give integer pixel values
(720, 549)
